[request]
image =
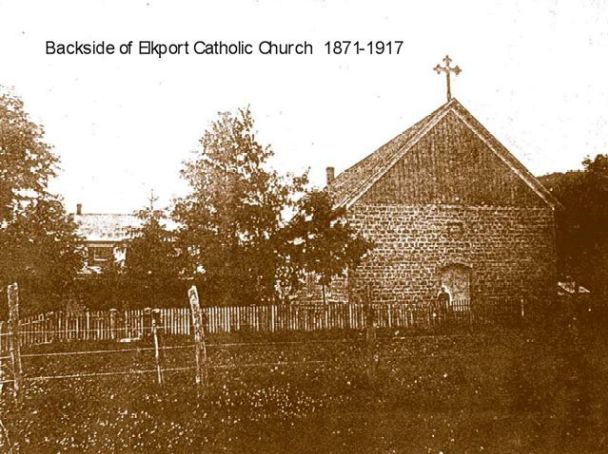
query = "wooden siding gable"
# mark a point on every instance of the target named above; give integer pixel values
(452, 165)
(444, 126)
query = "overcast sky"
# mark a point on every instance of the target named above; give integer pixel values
(534, 73)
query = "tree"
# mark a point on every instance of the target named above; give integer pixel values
(39, 251)
(582, 236)
(37, 238)
(321, 240)
(231, 222)
(152, 270)
(26, 161)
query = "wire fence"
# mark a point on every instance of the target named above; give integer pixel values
(147, 327)
(189, 366)
(116, 373)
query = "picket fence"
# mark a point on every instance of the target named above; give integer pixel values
(133, 324)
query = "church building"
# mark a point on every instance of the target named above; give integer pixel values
(446, 204)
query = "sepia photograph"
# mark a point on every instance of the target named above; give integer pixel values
(303, 227)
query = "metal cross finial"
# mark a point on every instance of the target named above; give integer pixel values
(447, 69)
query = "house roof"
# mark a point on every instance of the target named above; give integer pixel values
(355, 181)
(110, 227)
(105, 227)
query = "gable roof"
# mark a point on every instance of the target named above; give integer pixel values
(110, 227)
(105, 227)
(350, 185)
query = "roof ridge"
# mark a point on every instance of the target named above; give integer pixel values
(347, 190)
(403, 132)
(530, 178)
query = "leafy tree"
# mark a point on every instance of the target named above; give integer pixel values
(37, 238)
(39, 251)
(582, 235)
(321, 240)
(26, 161)
(151, 274)
(232, 220)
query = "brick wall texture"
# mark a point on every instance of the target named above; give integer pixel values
(510, 251)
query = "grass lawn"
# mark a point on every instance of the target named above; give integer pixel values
(495, 391)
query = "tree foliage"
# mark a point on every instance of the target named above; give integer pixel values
(582, 235)
(39, 251)
(37, 238)
(321, 241)
(232, 220)
(152, 271)
(26, 161)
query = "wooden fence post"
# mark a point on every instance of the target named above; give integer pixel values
(113, 331)
(156, 321)
(147, 322)
(199, 337)
(15, 338)
(370, 340)
(87, 334)
(370, 336)
(470, 315)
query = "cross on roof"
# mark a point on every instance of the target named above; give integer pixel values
(447, 69)
(152, 199)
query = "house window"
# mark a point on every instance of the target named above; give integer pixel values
(101, 253)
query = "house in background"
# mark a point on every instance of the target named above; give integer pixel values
(446, 204)
(104, 237)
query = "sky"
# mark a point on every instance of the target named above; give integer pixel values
(534, 73)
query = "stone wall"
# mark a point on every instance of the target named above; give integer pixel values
(510, 251)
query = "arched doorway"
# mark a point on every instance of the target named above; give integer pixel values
(457, 279)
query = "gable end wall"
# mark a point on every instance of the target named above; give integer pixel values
(510, 250)
(451, 164)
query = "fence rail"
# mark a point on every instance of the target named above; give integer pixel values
(132, 324)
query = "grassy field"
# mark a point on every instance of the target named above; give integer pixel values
(507, 390)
